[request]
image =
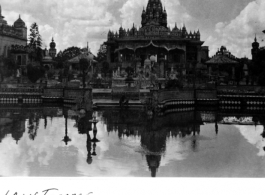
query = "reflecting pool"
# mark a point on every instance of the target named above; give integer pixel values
(59, 142)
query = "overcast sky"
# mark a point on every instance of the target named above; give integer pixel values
(232, 23)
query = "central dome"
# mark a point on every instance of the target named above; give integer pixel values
(19, 23)
(52, 44)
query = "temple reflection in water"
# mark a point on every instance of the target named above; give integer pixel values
(153, 133)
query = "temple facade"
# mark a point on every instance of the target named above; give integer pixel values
(154, 45)
(11, 35)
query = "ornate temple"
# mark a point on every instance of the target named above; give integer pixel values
(171, 49)
(11, 35)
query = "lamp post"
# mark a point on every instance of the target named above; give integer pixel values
(66, 138)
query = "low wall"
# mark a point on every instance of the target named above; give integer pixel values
(205, 94)
(130, 92)
(245, 89)
(18, 91)
(166, 95)
(53, 92)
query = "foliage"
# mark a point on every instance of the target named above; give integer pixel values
(261, 79)
(69, 53)
(35, 41)
(173, 84)
(35, 73)
(65, 55)
(102, 53)
(33, 125)
(10, 63)
(105, 68)
(8, 68)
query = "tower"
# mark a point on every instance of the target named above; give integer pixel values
(2, 21)
(20, 25)
(154, 14)
(255, 48)
(52, 50)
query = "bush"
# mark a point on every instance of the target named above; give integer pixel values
(35, 73)
(261, 79)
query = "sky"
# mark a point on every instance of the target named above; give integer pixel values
(74, 23)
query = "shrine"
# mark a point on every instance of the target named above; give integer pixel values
(154, 47)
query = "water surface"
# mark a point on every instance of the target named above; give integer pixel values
(59, 142)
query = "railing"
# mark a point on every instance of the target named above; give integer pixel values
(77, 93)
(24, 91)
(22, 85)
(130, 92)
(246, 89)
(206, 94)
(53, 92)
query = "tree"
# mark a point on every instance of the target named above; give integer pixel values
(105, 68)
(35, 73)
(9, 67)
(70, 53)
(261, 79)
(33, 125)
(102, 53)
(35, 42)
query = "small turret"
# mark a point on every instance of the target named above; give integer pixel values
(121, 34)
(2, 21)
(1, 12)
(255, 44)
(198, 35)
(184, 31)
(255, 49)
(52, 50)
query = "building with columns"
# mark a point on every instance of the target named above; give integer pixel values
(172, 49)
(223, 65)
(15, 34)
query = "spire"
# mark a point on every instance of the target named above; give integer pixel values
(19, 16)
(184, 27)
(1, 13)
(255, 37)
